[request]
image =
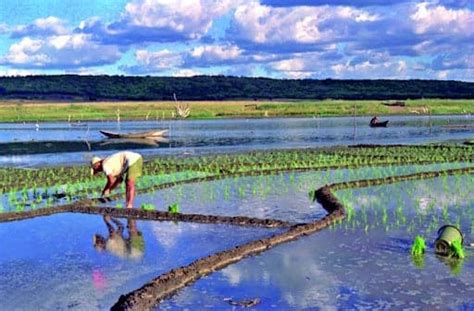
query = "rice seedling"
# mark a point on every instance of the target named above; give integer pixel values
(148, 207)
(174, 208)
(456, 249)
(419, 246)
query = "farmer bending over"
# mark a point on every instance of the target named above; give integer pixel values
(117, 167)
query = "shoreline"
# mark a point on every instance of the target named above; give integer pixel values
(79, 112)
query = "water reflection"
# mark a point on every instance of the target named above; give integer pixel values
(222, 136)
(129, 247)
(363, 263)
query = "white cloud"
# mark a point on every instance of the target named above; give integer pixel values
(390, 68)
(186, 73)
(159, 60)
(442, 75)
(190, 18)
(74, 50)
(42, 27)
(25, 51)
(261, 24)
(295, 64)
(428, 18)
(216, 52)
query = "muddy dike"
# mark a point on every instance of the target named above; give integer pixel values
(84, 207)
(150, 295)
(394, 179)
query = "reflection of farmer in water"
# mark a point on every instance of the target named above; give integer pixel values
(131, 247)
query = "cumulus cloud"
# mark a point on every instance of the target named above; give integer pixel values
(428, 18)
(160, 21)
(159, 60)
(368, 70)
(453, 61)
(208, 55)
(41, 27)
(64, 51)
(305, 65)
(154, 61)
(290, 28)
(282, 38)
(185, 73)
(358, 3)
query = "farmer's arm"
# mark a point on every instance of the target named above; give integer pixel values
(112, 182)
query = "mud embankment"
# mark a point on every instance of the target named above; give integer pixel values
(152, 293)
(84, 208)
(149, 295)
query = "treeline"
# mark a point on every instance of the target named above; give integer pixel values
(98, 88)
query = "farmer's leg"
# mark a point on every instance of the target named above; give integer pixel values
(134, 171)
(130, 192)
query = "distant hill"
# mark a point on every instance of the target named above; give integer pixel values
(98, 88)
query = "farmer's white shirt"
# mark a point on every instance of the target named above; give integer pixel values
(117, 163)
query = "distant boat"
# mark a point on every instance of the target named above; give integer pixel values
(148, 134)
(379, 124)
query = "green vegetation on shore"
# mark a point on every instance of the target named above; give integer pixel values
(102, 88)
(32, 111)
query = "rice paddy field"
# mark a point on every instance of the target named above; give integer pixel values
(300, 228)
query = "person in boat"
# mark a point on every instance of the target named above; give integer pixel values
(116, 243)
(374, 120)
(120, 166)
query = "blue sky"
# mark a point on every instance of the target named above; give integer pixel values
(365, 39)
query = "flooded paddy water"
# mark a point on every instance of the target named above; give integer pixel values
(281, 196)
(50, 263)
(363, 262)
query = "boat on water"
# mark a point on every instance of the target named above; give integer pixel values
(379, 124)
(148, 134)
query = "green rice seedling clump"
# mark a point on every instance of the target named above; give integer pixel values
(148, 207)
(419, 246)
(456, 249)
(173, 208)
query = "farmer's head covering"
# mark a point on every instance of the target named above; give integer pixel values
(94, 160)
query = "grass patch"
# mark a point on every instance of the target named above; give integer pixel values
(32, 111)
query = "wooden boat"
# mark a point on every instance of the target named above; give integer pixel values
(379, 124)
(148, 134)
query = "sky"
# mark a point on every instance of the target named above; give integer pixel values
(285, 39)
